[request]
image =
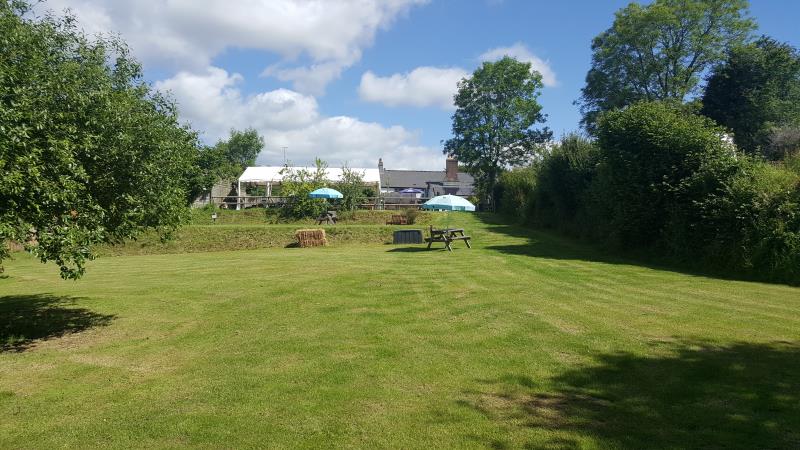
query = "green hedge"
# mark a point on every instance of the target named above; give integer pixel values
(662, 183)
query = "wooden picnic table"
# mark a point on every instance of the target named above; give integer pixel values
(329, 218)
(447, 236)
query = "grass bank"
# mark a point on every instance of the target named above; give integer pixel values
(214, 238)
(252, 229)
(525, 341)
(260, 216)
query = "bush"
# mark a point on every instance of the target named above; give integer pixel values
(352, 188)
(563, 179)
(752, 225)
(646, 152)
(411, 215)
(297, 185)
(664, 184)
(792, 163)
(514, 192)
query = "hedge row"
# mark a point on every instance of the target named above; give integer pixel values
(665, 183)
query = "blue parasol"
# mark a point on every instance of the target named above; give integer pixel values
(449, 203)
(325, 193)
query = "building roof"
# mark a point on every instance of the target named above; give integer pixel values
(272, 174)
(463, 189)
(410, 178)
(423, 179)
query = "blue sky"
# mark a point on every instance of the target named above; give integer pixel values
(340, 80)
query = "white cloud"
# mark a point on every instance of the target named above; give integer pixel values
(311, 79)
(520, 52)
(212, 102)
(212, 99)
(188, 34)
(343, 139)
(423, 86)
(433, 86)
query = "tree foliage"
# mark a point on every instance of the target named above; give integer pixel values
(89, 153)
(296, 185)
(564, 176)
(242, 148)
(756, 94)
(225, 160)
(659, 51)
(648, 154)
(351, 185)
(661, 183)
(496, 110)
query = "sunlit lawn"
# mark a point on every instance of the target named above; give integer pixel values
(525, 340)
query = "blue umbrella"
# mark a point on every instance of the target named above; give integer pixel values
(412, 191)
(449, 203)
(325, 193)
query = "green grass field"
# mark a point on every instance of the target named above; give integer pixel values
(525, 341)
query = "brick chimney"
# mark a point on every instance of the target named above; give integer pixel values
(451, 169)
(380, 164)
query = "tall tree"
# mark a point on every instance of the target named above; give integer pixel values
(756, 93)
(89, 153)
(659, 51)
(242, 147)
(225, 160)
(496, 110)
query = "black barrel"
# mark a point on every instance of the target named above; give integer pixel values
(407, 237)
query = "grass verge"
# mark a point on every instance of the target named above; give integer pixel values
(524, 341)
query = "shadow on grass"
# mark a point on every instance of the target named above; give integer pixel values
(697, 396)
(550, 245)
(411, 249)
(24, 319)
(544, 244)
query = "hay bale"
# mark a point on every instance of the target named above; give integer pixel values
(311, 238)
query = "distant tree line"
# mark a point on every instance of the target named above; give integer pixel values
(658, 175)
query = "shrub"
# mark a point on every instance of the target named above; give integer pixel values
(563, 178)
(646, 152)
(514, 191)
(411, 215)
(352, 188)
(669, 185)
(792, 163)
(664, 184)
(297, 185)
(752, 225)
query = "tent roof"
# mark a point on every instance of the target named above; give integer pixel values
(264, 174)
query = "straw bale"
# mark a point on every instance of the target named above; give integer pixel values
(311, 238)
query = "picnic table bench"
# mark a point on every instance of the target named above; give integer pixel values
(447, 236)
(397, 219)
(328, 217)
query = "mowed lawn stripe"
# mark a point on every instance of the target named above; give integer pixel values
(525, 340)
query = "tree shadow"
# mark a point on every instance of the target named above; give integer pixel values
(25, 319)
(550, 245)
(698, 395)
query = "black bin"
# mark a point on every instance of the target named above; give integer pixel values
(407, 237)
